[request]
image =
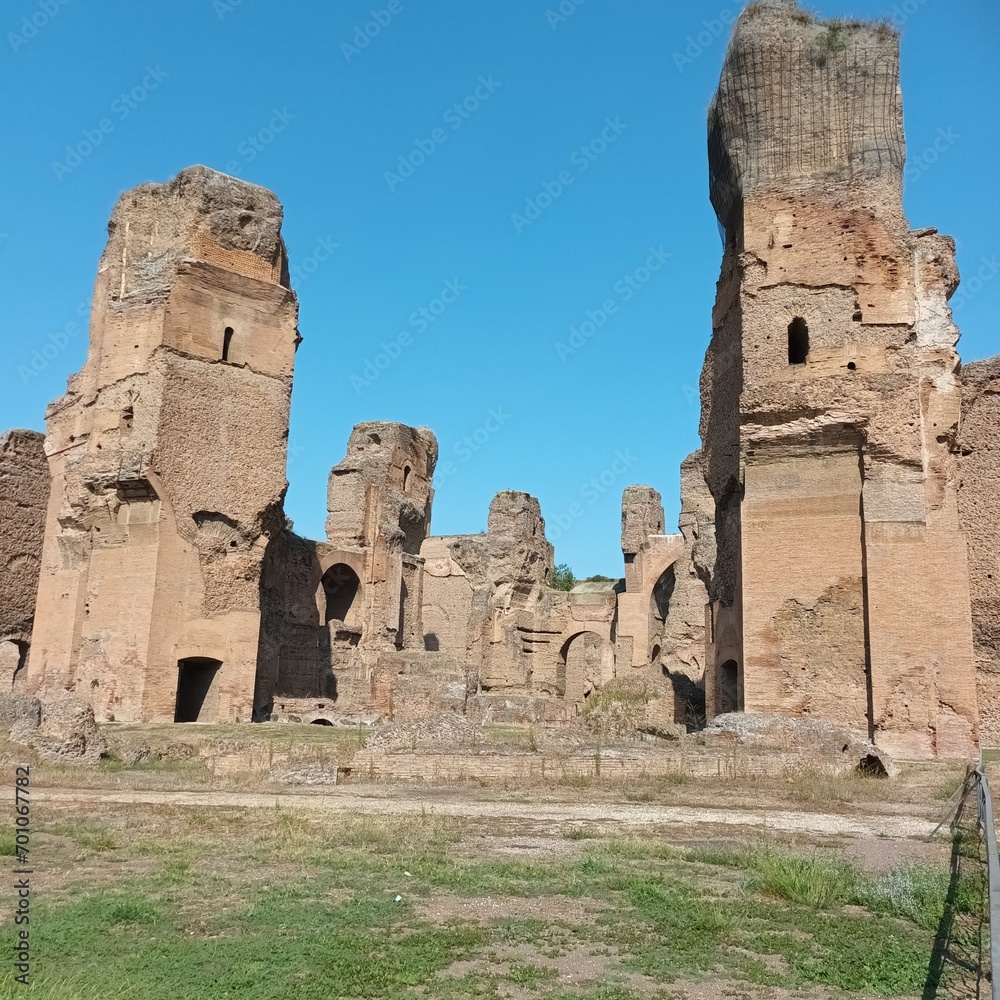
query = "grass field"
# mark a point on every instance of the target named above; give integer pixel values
(152, 902)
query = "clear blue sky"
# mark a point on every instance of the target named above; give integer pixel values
(269, 90)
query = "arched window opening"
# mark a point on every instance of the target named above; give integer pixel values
(227, 341)
(340, 585)
(406, 479)
(729, 687)
(798, 341)
(663, 590)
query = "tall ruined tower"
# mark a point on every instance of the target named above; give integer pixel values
(831, 405)
(167, 458)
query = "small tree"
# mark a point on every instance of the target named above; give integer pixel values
(562, 578)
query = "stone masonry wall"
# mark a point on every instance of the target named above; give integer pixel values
(24, 496)
(979, 507)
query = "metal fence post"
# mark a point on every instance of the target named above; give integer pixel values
(987, 825)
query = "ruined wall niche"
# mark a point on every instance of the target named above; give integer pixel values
(798, 341)
(729, 687)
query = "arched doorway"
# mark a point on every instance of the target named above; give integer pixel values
(729, 687)
(581, 667)
(340, 587)
(194, 682)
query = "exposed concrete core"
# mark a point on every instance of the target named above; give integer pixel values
(838, 558)
(24, 497)
(979, 509)
(830, 401)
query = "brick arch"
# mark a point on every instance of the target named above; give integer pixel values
(331, 557)
(656, 569)
(579, 674)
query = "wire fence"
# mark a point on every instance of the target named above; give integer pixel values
(988, 828)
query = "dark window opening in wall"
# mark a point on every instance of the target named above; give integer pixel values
(194, 680)
(729, 687)
(227, 341)
(340, 584)
(404, 594)
(406, 479)
(852, 366)
(798, 341)
(22, 662)
(663, 590)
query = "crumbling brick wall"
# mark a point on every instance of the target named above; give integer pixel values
(150, 578)
(24, 497)
(830, 400)
(979, 507)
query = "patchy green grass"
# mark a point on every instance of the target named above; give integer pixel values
(270, 903)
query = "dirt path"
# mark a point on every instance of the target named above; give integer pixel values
(344, 801)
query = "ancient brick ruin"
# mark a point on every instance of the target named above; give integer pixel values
(838, 549)
(831, 400)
